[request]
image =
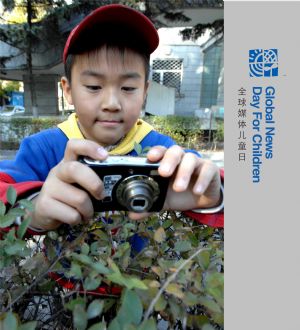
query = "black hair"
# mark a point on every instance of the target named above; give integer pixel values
(71, 59)
(110, 36)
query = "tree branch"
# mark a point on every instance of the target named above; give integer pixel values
(168, 281)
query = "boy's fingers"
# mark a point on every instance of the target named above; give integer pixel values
(138, 216)
(75, 172)
(81, 147)
(156, 153)
(208, 175)
(170, 161)
(74, 197)
(184, 172)
(60, 213)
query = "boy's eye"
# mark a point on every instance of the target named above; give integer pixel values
(128, 89)
(93, 87)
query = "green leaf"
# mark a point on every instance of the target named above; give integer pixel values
(95, 308)
(91, 283)
(182, 246)
(218, 294)
(2, 208)
(215, 280)
(175, 290)
(15, 248)
(133, 282)
(145, 150)
(100, 268)
(176, 309)
(190, 299)
(26, 204)
(197, 321)
(210, 304)
(138, 148)
(129, 281)
(11, 235)
(168, 223)
(204, 259)
(161, 304)
(16, 212)
(193, 239)
(11, 195)
(46, 285)
(116, 278)
(23, 227)
(72, 303)
(10, 322)
(114, 325)
(28, 326)
(208, 327)
(149, 324)
(98, 326)
(131, 310)
(75, 270)
(6, 220)
(85, 248)
(82, 258)
(160, 235)
(80, 317)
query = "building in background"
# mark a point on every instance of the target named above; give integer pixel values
(187, 76)
(193, 69)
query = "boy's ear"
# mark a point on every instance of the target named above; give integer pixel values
(66, 86)
(147, 84)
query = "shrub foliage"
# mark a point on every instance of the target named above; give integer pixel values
(175, 277)
(184, 130)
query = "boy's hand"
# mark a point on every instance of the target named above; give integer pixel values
(59, 200)
(195, 182)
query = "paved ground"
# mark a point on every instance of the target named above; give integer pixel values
(7, 154)
(216, 156)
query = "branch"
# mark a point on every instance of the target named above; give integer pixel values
(67, 246)
(40, 276)
(168, 281)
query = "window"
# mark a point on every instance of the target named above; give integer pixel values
(168, 72)
(213, 63)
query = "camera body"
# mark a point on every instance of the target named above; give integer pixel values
(130, 184)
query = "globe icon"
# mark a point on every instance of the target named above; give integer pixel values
(270, 55)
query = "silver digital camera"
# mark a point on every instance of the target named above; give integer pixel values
(130, 184)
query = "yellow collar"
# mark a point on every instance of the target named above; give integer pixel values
(135, 135)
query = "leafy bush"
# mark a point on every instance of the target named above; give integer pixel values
(175, 277)
(13, 130)
(219, 133)
(185, 131)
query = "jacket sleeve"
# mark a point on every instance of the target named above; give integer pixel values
(23, 190)
(27, 172)
(215, 220)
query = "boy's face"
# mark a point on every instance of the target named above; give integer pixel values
(108, 90)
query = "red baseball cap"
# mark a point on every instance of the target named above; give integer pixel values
(113, 15)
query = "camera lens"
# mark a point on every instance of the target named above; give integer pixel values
(137, 193)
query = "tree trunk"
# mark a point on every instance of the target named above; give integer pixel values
(32, 92)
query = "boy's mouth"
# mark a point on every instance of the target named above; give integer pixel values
(109, 122)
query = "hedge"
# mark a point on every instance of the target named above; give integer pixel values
(185, 131)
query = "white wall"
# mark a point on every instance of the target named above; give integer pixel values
(172, 46)
(160, 100)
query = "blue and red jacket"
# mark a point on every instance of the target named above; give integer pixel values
(40, 152)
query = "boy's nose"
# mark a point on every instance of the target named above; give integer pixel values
(111, 100)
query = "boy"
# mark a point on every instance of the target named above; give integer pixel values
(106, 61)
